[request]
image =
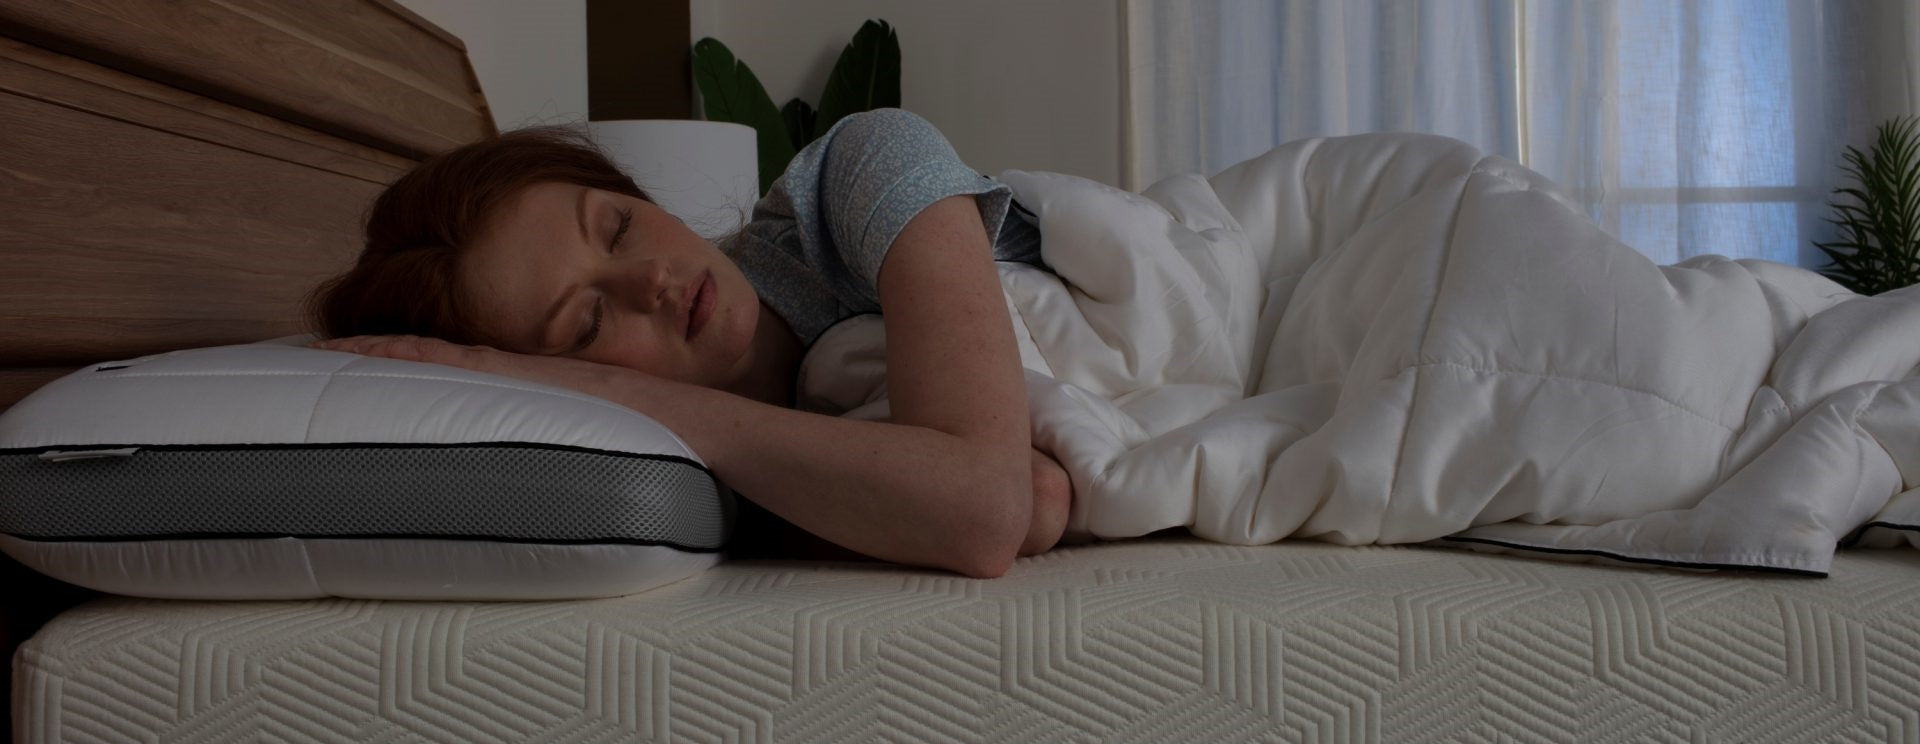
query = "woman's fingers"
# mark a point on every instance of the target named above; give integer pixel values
(574, 374)
(1052, 501)
(409, 348)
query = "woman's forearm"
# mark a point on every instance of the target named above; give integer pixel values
(897, 492)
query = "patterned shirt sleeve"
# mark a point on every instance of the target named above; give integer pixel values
(826, 224)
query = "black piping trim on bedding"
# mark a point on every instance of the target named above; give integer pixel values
(1853, 538)
(372, 536)
(353, 445)
(1637, 559)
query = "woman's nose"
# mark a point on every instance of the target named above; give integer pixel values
(648, 286)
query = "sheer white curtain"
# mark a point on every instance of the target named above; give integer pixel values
(1685, 126)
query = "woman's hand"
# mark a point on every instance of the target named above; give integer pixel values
(1052, 500)
(573, 374)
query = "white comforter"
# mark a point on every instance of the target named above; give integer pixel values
(1393, 339)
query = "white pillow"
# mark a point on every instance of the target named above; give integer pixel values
(276, 471)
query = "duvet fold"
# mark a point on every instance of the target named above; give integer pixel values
(1396, 339)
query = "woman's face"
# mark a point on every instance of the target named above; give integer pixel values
(567, 270)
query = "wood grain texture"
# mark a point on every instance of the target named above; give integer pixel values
(142, 216)
(124, 238)
(350, 68)
(40, 74)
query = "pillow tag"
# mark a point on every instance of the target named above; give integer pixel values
(65, 455)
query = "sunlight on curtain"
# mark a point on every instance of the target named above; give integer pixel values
(1704, 118)
(1214, 82)
(1684, 126)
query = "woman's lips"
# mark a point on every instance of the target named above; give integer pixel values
(702, 309)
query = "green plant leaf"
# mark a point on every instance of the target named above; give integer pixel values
(1878, 246)
(730, 92)
(799, 117)
(865, 77)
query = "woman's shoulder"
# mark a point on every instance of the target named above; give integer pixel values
(861, 160)
(882, 121)
(885, 131)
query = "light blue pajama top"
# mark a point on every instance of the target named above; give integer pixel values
(815, 242)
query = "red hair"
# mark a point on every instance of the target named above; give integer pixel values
(406, 279)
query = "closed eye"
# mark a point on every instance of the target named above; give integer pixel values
(593, 328)
(626, 221)
(599, 306)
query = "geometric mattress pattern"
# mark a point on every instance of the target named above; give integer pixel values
(1159, 639)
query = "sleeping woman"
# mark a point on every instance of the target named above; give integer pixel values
(1374, 339)
(531, 255)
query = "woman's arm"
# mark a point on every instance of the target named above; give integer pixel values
(946, 484)
(760, 535)
(897, 492)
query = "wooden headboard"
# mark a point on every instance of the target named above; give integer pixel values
(180, 174)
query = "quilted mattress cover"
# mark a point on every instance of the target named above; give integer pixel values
(1159, 639)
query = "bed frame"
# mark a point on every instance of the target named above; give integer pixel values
(180, 174)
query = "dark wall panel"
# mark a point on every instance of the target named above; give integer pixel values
(639, 60)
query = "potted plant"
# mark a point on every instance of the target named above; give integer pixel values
(866, 77)
(1879, 244)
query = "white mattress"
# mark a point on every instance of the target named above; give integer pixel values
(1153, 640)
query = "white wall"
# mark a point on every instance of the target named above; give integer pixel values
(1013, 83)
(530, 55)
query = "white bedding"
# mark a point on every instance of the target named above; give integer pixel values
(1395, 339)
(1152, 640)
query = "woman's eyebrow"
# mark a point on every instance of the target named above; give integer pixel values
(580, 211)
